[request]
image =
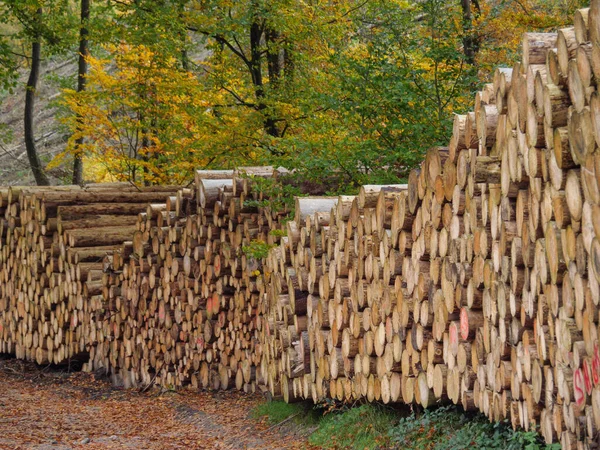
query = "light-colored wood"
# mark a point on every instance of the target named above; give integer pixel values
(477, 282)
(536, 46)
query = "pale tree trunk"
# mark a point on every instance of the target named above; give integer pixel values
(34, 160)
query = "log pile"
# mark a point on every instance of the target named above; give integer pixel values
(478, 282)
(52, 243)
(183, 302)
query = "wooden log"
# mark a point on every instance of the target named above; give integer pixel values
(306, 206)
(536, 46)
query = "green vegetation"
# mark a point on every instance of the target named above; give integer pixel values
(278, 233)
(449, 428)
(374, 426)
(344, 93)
(364, 427)
(257, 249)
(277, 411)
(274, 194)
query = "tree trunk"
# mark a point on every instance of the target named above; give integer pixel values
(145, 155)
(469, 40)
(256, 33)
(288, 65)
(34, 161)
(185, 59)
(273, 60)
(81, 82)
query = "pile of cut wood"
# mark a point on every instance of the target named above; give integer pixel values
(478, 282)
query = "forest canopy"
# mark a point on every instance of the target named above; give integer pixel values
(348, 92)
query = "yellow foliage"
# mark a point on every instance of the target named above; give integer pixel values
(501, 29)
(144, 120)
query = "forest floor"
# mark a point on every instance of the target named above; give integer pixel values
(48, 409)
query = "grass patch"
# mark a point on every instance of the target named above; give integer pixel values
(376, 427)
(364, 427)
(277, 411)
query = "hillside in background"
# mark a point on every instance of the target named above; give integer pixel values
(51, 138)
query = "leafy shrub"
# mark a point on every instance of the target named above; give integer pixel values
(373, 426)
(257, 249)
(278, 233)
(275, 412)
(449, 428)
(274, 194)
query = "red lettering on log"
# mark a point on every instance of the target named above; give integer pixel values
(596, 366)
(464, 324)
(587, 375)
(579, 388)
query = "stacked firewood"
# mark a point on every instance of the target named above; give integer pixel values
(477, 282)
(182, 298)
(52, 243)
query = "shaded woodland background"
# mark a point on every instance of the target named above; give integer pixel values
(344, 92)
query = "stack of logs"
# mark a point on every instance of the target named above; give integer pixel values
(184, 307)
(478, 282)
(52, 244)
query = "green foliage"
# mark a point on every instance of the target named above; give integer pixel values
(257, 249)
(56, 28)
(364, 427)
(345, 93)
(278, 233)
(278, 411)
(271, 193)
(449, 428)
(373, 426)
(8, 68)
(6, 134)
(390, 92)
(281, 196)
(61, 82)
(160, 25)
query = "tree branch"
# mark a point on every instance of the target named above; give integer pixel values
(525, 10)
(347, 13)
(20, 55)
(238, 98)
(221, 40)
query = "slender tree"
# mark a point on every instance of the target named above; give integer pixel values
(34, 74)
(38, 25)
(81, 82)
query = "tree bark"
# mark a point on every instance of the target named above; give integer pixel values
(257, 30)
(81, 82)
(470, 44)
(185, 59)
(288, 64)
(34, 161)
(273, 60)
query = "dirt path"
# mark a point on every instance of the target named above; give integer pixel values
(41, 410)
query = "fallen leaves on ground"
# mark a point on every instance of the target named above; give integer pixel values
(58, 410)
